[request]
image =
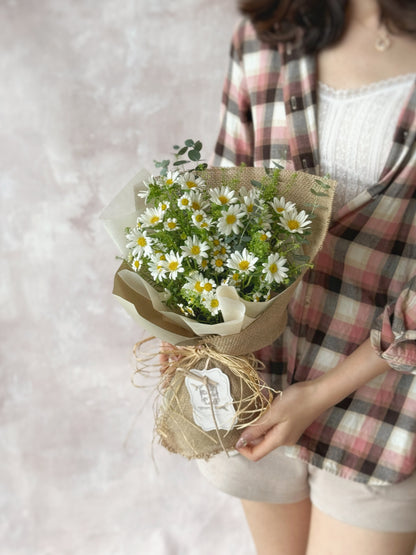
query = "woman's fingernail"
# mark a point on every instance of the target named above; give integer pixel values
(241, 443)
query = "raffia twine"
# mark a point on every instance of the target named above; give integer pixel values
(174, 422)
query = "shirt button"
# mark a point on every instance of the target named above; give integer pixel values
(293, 102)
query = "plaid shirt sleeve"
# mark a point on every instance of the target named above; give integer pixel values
(235, 143)
(394, 334)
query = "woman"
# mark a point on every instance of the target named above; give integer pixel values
(329, 87)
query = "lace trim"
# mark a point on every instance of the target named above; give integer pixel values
(378, 86)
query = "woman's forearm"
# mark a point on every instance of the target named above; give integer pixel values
(353, 372)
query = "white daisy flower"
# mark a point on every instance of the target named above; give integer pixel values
(195, 248)
(229, 222)
(250, 199)
(201, 220)
(139, 242)
(184, 202)
(295, 222)
(173, 264)
(170, 224)
(208, 285)
(222, 195)
(221, 250)
(211, 303)
(164, 205)
(171, 178)
(197, 201)
(186, 310)
(146, 184)
(275, 268)
(280, 205)
(157, 269)
(151, 216)
(264, 235)
(218, 263)
(189, 180)
(243, 262)
(194, 282)
(136, 264)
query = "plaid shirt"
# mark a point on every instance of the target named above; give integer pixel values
(363, 283)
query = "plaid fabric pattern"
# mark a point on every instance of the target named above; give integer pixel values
(363, 283)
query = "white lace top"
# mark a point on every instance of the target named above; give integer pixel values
(355, 130)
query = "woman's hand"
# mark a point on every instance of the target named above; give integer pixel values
(283, 424)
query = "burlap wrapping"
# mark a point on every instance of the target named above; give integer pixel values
(174, 421)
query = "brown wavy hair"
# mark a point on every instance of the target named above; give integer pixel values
(314, 24)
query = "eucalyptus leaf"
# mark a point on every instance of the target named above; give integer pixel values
(189, 142)
(194, 155)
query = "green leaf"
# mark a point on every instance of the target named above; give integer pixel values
(256, 183)
(182, 150)
(279, 166)
(198, 145)
(189, 142)
(322, 184)
(194, 155)
(180, 162)
(165, 163)
(318, 193)
(176, 147)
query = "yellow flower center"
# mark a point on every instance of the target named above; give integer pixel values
(195, 249)
(208, 287)
(171, 225)
(199, 218)
(204, 263)
(216, 242)
(163, 206)
(190, 184)
(184, 202)
(293, 224)
(235, 276)
(154, 219)
(244, 265)
(263, 237)
(231, 219)
(250, 207)
(169, 181)
(219, 263)
(198, 287)
(214, 303)
(173, 265)
(223, 250)
(141, 241)
(273, 268)
(279, 209)
(136, 264)
(162, 257)
(223, 199)
(196, 205)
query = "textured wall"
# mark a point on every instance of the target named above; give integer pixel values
(91, 91)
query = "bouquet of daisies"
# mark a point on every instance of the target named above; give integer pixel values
(211, 258)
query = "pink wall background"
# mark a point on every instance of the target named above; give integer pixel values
(90, 92)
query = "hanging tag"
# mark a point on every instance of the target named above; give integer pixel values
(222, 402)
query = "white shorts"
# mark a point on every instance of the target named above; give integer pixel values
(278, 478)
